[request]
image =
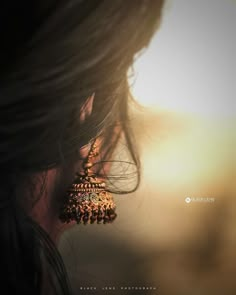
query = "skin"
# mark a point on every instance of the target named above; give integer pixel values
(46, 211)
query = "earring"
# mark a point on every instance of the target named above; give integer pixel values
(88, 200)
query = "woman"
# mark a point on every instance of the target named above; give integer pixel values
(63, 90)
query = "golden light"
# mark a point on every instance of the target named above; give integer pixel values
(189, 65)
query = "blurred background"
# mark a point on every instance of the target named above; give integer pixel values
(177, 233)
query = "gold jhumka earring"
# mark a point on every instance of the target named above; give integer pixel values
(88, 201)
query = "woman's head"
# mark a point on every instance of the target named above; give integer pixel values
(55, 56)
(79, 48)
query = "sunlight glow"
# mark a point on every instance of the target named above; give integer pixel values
(189, 65)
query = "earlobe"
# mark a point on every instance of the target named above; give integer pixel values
(87, 108)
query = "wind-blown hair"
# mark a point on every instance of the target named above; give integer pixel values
(53, 56)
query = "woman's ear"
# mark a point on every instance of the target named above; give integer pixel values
(87, 108)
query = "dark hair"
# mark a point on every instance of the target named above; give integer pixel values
(53, 56)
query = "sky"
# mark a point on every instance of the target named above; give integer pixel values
(189, 65)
